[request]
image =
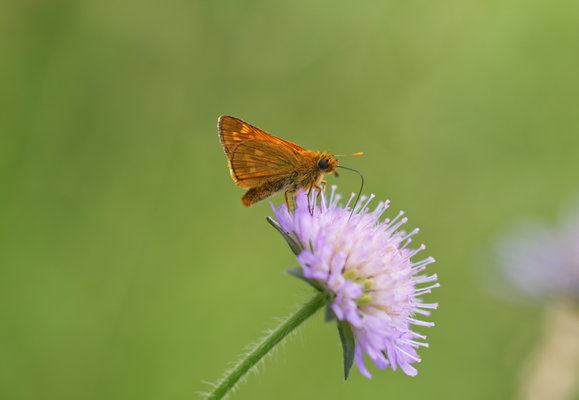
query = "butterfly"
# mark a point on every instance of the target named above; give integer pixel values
(266, 164)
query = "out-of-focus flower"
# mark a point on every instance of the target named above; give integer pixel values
(364, 266)
(542, 262)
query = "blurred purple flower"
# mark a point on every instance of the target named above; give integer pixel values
(542, 262)
(365, 267)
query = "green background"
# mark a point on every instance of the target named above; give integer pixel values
(129, 267)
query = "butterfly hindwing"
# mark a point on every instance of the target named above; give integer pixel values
(254, 161)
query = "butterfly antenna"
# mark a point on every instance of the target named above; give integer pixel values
(361, 186)
(347, 155)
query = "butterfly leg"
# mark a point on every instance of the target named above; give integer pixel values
(311, 210)
(320, 192)
(320, 189)
(293, 196)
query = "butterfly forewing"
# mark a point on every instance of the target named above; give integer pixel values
(233, 131)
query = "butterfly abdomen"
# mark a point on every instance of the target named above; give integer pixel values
(262, 192)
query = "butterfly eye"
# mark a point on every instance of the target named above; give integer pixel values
(323, 163)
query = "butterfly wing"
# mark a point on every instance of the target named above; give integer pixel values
(233, 131)
(254, 162)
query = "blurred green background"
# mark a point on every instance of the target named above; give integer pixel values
(131, 270)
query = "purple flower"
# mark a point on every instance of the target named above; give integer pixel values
(364, 265)
(542, 262)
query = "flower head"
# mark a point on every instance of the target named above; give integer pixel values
(364, 267)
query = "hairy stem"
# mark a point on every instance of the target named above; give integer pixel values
(250, 360)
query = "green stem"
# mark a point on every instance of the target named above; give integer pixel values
(232, 377)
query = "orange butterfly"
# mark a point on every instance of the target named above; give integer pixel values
(266, 164)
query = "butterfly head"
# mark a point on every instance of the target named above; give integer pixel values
(326, 162)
